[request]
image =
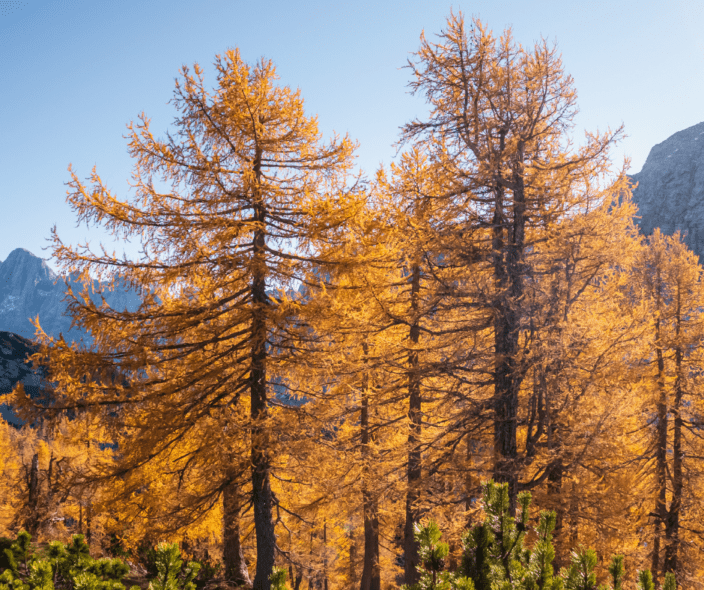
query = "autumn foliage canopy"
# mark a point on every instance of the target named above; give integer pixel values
(327, 367)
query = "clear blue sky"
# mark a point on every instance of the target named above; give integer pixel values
(73, 73)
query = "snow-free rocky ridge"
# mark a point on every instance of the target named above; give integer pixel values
(670, 191)
(29, 288)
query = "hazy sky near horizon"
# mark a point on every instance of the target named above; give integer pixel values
(73, 73)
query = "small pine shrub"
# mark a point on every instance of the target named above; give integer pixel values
(170, 574)
(496, 558)
(278, 578)
(5, 543)
(59, 567)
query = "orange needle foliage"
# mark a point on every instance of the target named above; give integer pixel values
(231, 209)
(318, 360)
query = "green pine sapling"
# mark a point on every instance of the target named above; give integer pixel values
(495, 558)
(168, 565)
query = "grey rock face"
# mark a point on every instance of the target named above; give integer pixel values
(670, 191)
(14, 368)
(14, 351)
(29, 288)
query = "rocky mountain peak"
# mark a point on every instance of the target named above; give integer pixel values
(23, 272)
(29, 288)
(670, 191)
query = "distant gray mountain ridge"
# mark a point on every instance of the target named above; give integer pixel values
(29, 288)
(670, 191)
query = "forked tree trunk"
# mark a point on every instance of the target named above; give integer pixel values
(233, 556)
(296, 577)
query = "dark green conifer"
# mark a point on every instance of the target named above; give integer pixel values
(494, 556)
(645, 580)
(617, 572)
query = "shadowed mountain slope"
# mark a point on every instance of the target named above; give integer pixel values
(14, 368)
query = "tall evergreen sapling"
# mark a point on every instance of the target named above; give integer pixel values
(617, 572)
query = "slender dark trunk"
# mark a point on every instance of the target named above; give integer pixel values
(468, 481)
(672, 528)
(232, 554)
(660, 456)
(556, 493)
(371, 573)
(31, 523)
(325, 555)
(410, 545)
(312, 574)
(89, 524)
(508, 276)
(557, 502)
(88, 491)
(296, 577)
(574, 516)
(353, 561)
(261, 484)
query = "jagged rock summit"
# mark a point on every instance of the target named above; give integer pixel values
(670, 191)
(29, 288)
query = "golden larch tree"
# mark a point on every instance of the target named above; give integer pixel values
(498, 125)
(229, 209)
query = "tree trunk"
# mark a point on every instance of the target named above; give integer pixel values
(325, 555)
(469, 481)
(410, 546)
(31, 523)
(557, 502)
(672, 527)
(232, 554)
(89, 523)
(353, 561)
(311, 576)
(660, 457)
(574, 520)
(371, 573)
(261, 484)
(296, 577)
(508, 278)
